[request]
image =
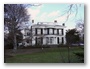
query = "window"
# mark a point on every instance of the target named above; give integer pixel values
(38, 31)
(60, 32)
(45, 31)
(55, 31)
(39, 41)
(47, 40)
(51, 40)
(51, 31)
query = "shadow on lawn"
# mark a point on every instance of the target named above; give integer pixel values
(54, 55)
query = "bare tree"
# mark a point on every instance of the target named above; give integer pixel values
(14, 16)
(80, 28)
(72, 8)
(80, 24)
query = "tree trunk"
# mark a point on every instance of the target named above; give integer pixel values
(15, 43)
(4, 56)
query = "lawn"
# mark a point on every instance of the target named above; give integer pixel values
(47, 55)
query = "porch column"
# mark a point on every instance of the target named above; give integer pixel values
(62, 32)
(41, 31)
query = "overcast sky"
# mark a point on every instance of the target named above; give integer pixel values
(50, 12)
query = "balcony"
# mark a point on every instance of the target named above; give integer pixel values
(47, 34)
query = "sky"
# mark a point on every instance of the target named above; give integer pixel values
(50, 12)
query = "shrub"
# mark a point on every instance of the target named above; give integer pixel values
(80, 56)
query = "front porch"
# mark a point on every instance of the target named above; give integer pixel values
(49, 41)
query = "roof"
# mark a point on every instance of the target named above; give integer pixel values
(47, 24)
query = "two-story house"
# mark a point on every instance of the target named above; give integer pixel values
(48, 33)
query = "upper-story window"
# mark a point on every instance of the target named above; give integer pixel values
(55, 31)
(38, 31)
(60, 32)
(45, 31)
(51, 31)
(48, 31)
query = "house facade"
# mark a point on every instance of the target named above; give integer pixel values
(48, 33)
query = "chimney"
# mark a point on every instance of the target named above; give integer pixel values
(32, 21)
(63, 24)
(55, 21)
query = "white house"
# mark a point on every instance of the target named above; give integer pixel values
(48, 33)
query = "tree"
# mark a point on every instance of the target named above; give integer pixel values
(80, 28)
(72, 8)
(14, 16)
(80, 24)
(72, 36)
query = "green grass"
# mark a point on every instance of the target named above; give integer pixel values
(48, 55)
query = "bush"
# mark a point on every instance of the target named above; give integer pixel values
(61, 45)
(80, 56)
(8, 45)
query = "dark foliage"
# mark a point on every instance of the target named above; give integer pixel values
(72, 36)
(14, 16)
(80, 55)
(8, 42)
